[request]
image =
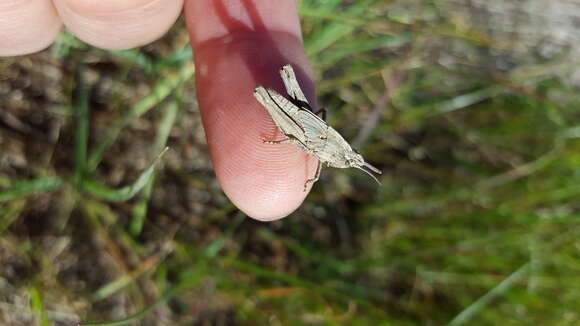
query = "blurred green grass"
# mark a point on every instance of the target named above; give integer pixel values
(475, 224)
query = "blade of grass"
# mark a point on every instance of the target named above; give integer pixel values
(331, 15)
(160, 91)
(179, 56)
(353, 75)
(460, 102)
(212, 250)
(325, 6)
(333, 32)
(191, 279)
(81, 115)
(38, 306)
(163, 131)
(392, 81)
(9, 214)
(356, 46)
(65, 41)
(486, 299)
(307, 253)
(124, 193)
(337, 291)
(121, 282)
(467, 100)
(135, 57)
(526, 169)
(63, 44)
(29, 187)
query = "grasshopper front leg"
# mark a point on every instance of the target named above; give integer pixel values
(316, 176)
(282, 141)
(289, 140)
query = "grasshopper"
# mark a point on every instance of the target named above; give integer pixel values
(306, 130)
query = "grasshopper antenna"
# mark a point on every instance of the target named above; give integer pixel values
(373, 169)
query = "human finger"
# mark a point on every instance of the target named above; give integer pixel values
(27, 26)
(239, 45)
(114, 24)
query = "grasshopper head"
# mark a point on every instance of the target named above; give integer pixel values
(357, 161)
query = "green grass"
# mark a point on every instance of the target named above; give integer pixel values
(476, 223)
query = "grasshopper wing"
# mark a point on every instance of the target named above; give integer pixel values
(291, 83)
(316, 131)
(282, 112)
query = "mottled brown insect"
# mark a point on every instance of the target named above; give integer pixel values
(306, 130)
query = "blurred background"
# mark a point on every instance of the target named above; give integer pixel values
(470, 108)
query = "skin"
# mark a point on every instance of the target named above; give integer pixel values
(238, 44)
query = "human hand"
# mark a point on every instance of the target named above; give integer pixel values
(237, 45)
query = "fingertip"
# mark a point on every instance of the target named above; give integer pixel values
(273, 188)
(266, 181)
(239, 45)
(27, 26)
(117, 25)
